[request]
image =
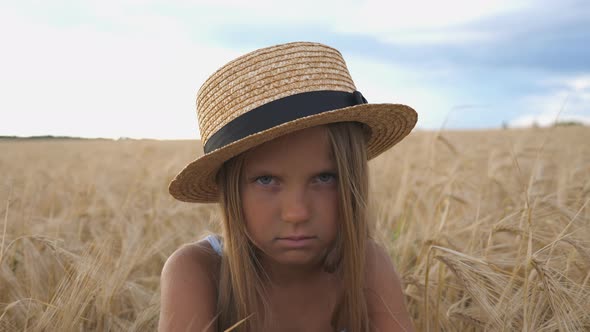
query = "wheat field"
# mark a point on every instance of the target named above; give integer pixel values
(490, 230)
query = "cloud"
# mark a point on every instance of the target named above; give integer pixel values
(423, 22)
(501, 34)
(567, 100)
(132, 68)
(383, 82)
(87, 81)
(386, 21)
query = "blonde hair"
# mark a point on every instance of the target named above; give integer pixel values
(242, 293)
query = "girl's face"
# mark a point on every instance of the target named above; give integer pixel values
(289, 194)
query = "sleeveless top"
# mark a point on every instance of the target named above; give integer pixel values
(216, 244)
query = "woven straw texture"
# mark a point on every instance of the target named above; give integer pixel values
(268, 74)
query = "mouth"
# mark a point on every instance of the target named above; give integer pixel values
(296, 242)
(296, 238)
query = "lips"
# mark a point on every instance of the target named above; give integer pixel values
(296, 242)
(296, 238)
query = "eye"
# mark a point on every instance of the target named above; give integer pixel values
(264, 180)
(326, 177)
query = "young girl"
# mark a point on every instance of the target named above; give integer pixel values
(286, 142)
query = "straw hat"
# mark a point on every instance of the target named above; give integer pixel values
(274, 91)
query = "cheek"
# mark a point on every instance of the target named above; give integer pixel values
(327, 205)
(257, 208)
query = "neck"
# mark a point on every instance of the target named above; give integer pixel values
(288, 276)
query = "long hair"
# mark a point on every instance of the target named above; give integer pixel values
(242, 297)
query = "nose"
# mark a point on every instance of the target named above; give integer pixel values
(295, 206)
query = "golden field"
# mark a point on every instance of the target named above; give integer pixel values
(489, 230)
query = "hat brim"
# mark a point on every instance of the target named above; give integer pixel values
(388, 124)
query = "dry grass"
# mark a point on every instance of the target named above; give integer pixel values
(489, 230)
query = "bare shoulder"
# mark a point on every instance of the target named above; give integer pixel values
(385, 299)
(188, 287)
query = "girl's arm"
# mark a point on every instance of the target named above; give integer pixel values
(385, 299)
(188, 293)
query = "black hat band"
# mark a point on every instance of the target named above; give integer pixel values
(281, 111)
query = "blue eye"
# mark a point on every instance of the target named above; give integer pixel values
(326, 177)
(264, 180)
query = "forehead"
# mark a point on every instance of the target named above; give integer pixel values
(309, 146)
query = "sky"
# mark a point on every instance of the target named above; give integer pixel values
(132, 68)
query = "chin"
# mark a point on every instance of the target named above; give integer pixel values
(298, 260)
